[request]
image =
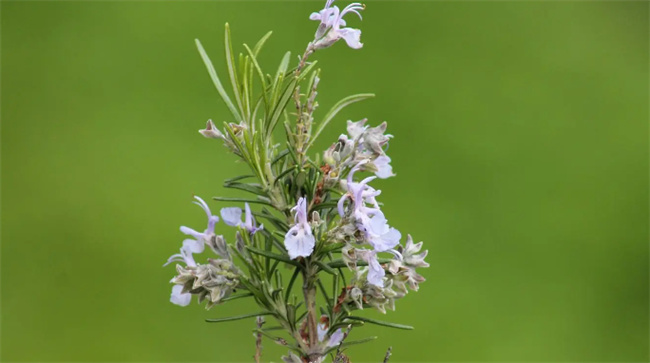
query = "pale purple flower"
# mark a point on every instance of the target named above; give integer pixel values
(299, 240)
(232, 217)
(370, 220)
(204, 237)
(179, 297)
(329, 30)
(384, 169)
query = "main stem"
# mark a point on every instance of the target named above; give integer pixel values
(309, 292)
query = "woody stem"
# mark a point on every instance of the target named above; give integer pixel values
(309, 292)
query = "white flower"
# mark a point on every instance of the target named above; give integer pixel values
(329, 30)
(299, 241)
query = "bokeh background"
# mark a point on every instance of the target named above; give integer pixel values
(521, 152)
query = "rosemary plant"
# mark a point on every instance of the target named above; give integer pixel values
(319, 220)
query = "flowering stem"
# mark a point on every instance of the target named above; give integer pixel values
(258, 340)
(301, 128)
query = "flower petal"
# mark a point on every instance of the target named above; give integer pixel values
(375, 271)
(178, 297)
(189, 231)
(299, 242)
(384, 169)
(336, 338)
(231, 216)
(201, 203)
(193, 246)
(352, 37)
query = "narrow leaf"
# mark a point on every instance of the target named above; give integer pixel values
(243, 200)
(228, 181)
(340, 263)
(216, 81)
(382, 323)
(336, 109)
(258, 46)
(232, 72)
(239, 317)
(257, 68)
(235, 297)
(248, 187)
(326, 268)
(280, 106)
(272, 255)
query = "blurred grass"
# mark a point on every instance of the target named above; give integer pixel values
(521, 153)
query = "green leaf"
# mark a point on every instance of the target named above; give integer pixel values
(340, 263)
(291, 282)
(360, 341)
(279, 107)
(217, 82)
(242, 151)
(279, 77)
(284, 173)
(272, 255)
(235, 297)
(282, 154)
(248, 187)
(349, 343)
(260, 74)
(326, 268)
(306, 71)
(239, 317)
(345, 325)
(228, 181)
(332, 247)
(336, 109)
(243, 200)
(260, 43)
(232, 72)
(324, 205)
(277, 222)
(382, 323)
(325, 295)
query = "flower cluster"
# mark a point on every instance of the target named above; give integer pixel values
(320, 215)
(219, 277)
(363, 148)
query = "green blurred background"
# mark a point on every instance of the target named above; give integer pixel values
(521, 149)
